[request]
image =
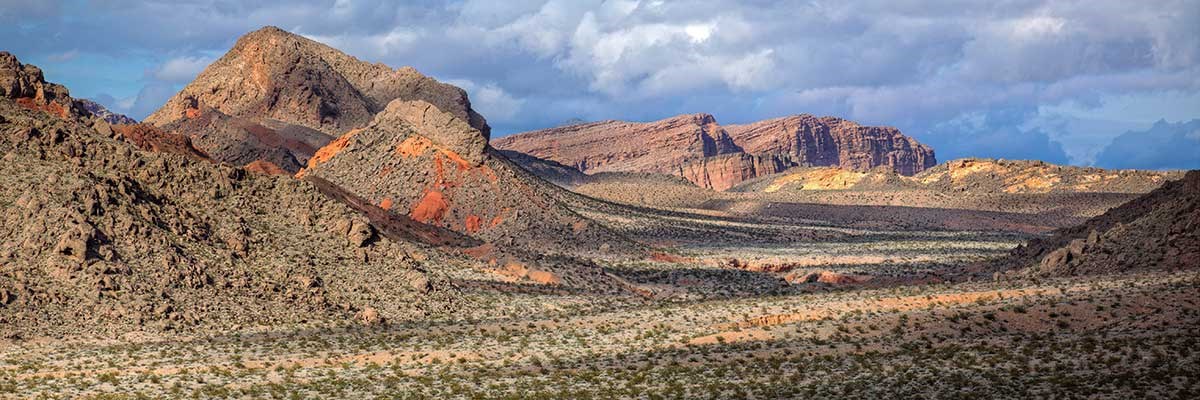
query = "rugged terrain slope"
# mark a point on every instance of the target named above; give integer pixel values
(419, 161)
(1157, 231)
(712, 156)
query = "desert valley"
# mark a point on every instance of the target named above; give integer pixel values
(299, 223)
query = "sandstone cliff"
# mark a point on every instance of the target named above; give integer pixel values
(699, 149)
(829, 141)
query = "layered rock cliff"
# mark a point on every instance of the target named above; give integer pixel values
(699, 149)
(830, 141)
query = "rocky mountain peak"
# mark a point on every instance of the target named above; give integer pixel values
(278, 96)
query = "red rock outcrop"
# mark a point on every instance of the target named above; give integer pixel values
(695, 147)
(724, 171)
(265, 167)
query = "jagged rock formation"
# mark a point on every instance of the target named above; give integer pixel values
(101, 236)
(1157, 231)
(278, 96)
(711, 156)
(99, 111)
(26, 85)
(724, 171)
(432, 166)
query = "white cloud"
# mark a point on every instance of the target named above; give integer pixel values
(699, 32)
(181, 69)
(374, 46)
(490, 100)
(1033, 28)
(63, 56)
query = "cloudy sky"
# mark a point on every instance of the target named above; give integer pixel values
(1111, 83)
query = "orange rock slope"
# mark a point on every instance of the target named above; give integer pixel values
(435, 168)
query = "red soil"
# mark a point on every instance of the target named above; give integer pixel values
(431, 208)
(265, 167)
(473, 223)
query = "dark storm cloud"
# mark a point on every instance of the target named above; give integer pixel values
(923, 66)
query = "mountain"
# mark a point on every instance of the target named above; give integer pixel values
(1164, 145)
(1157, 231)
(277, 97)
(278, 102)
(699, 149)
(99, 111)
(102, 235)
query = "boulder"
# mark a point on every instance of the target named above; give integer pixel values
(369, 316)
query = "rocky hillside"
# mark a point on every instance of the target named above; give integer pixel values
(99, 235)
(26, 86)
(712, 156)
(390, 142)
(963, 176)
(1158, 231)
(277, 97)
(434, 167)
